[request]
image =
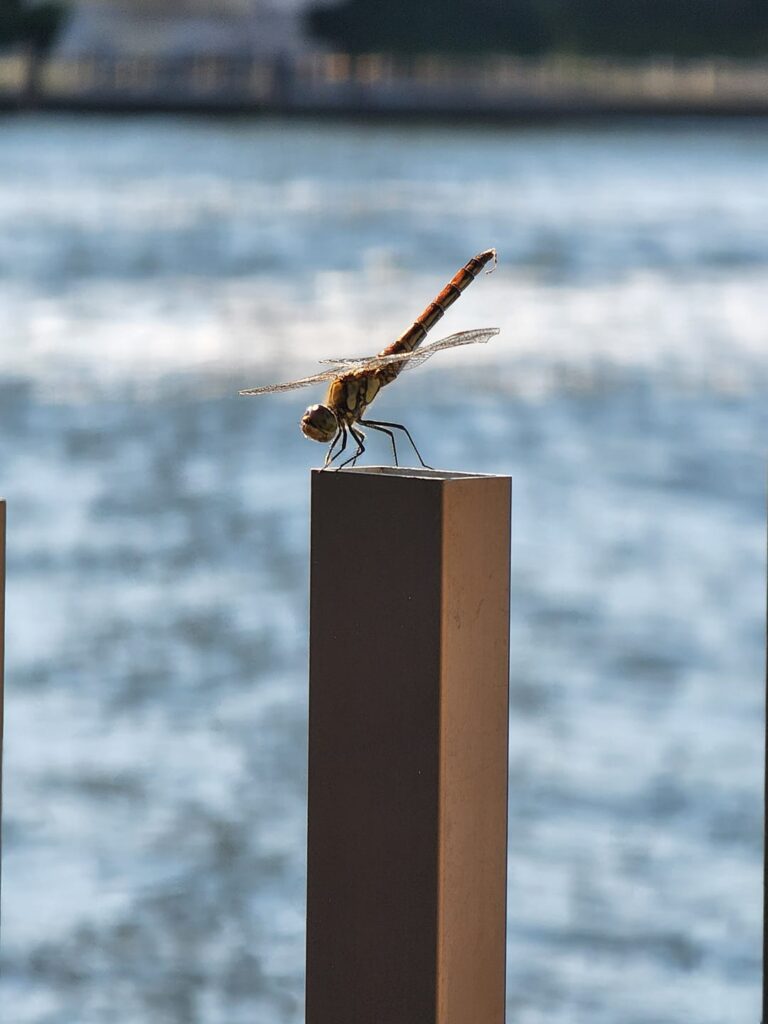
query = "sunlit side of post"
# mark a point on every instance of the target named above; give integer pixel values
(409, 649)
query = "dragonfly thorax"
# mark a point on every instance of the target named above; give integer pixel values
(320, 423)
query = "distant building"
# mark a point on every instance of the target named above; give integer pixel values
(186, 28)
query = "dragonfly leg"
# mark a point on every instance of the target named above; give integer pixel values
(329, 458)
(384, 430)
(381, 424)
(359, 436)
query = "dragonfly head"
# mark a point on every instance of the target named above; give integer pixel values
(320, 423)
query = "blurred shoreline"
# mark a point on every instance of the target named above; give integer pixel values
(379, 86)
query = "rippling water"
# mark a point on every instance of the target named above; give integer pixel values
(156, 704)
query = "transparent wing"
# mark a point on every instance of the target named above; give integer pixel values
(409, 359)
(291, 385)
(476, 337)
(480, 336)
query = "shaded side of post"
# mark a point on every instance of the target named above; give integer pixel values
(406, 867)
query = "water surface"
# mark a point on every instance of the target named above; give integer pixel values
(157, 590)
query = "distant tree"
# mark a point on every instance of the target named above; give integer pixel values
(432, 26)
(682, 28)
(33, 26)
(631, 28)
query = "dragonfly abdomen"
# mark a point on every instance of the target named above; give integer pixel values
(417, 332)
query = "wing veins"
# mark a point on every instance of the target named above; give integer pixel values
(415, 357)
(478, 336)
(292, 385)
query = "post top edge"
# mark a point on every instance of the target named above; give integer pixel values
(406, 473)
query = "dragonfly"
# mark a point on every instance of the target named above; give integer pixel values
(354, 383)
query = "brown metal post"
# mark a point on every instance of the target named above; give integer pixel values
(408, 725)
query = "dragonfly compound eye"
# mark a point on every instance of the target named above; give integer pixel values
(319, 423)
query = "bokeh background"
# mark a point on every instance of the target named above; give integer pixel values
(155, 761)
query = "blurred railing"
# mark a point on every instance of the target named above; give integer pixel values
(384, 83)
